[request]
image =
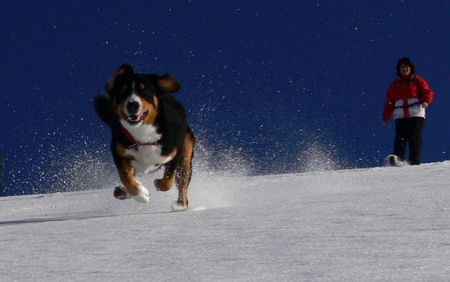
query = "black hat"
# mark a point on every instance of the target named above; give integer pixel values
(405, 61)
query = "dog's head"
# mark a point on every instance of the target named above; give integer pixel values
(135, 96)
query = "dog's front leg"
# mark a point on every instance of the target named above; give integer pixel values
(166, 182)
(132, 186)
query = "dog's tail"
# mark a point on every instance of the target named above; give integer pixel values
(104, 109)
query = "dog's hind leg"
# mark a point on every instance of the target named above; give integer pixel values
(121, 193)
(184, 169)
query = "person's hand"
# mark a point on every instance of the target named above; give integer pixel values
(425, 105)
(385, 121)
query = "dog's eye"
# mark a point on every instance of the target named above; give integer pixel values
(124, 87)
(141, 86)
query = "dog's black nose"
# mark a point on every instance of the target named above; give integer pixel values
(132, 108)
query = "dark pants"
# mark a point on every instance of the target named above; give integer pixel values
(409, 130)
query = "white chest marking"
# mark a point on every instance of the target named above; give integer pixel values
(148, 158)
(142, 133)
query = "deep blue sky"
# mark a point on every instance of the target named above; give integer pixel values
(266, 79)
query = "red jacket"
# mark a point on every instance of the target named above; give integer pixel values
(405, 96)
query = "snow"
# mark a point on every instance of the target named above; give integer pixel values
(374, 224)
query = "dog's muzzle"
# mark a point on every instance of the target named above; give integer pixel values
(132, 108)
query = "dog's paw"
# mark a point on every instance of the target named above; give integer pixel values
(177, 207)
(121, 193)
(163, 185)
(142, 195)
(183, 204)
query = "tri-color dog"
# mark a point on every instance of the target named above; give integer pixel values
(149, 130)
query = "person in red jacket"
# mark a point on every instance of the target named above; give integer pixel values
(407, 99)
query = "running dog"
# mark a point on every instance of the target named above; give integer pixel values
(149, 130)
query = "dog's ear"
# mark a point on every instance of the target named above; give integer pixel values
(124, 69)
(104, 109)
(167, 83)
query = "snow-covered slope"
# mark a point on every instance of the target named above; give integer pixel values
(377, 224)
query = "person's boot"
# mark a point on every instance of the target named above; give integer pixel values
(394, 160)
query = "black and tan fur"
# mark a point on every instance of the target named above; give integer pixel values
(141, 106)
